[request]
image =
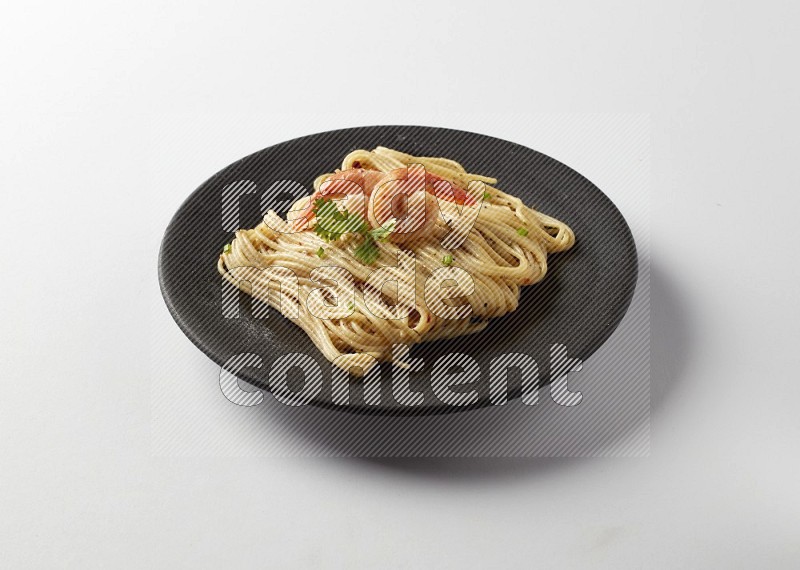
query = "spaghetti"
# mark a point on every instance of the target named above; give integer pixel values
(453, 249)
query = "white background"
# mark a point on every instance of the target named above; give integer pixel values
(90, 90)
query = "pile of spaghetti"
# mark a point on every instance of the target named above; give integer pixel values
(381, 208)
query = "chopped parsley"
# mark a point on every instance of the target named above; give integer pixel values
(226, 248)
(487, 196)
(522, 231)
(368, 251)
(321, 252)
(382, 233)
(332, 224)
(447, 260)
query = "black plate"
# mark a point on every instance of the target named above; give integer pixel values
(579, 304)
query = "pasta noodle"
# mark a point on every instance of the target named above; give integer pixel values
(434, 290)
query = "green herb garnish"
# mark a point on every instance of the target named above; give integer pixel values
(487, 196)
(522, 231)
(333, 224)
(382, 233)
(447, 260)
(226, 248)
(368, 251)
(321, 253)
(350, 306)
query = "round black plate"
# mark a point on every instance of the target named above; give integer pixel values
(579, 304)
